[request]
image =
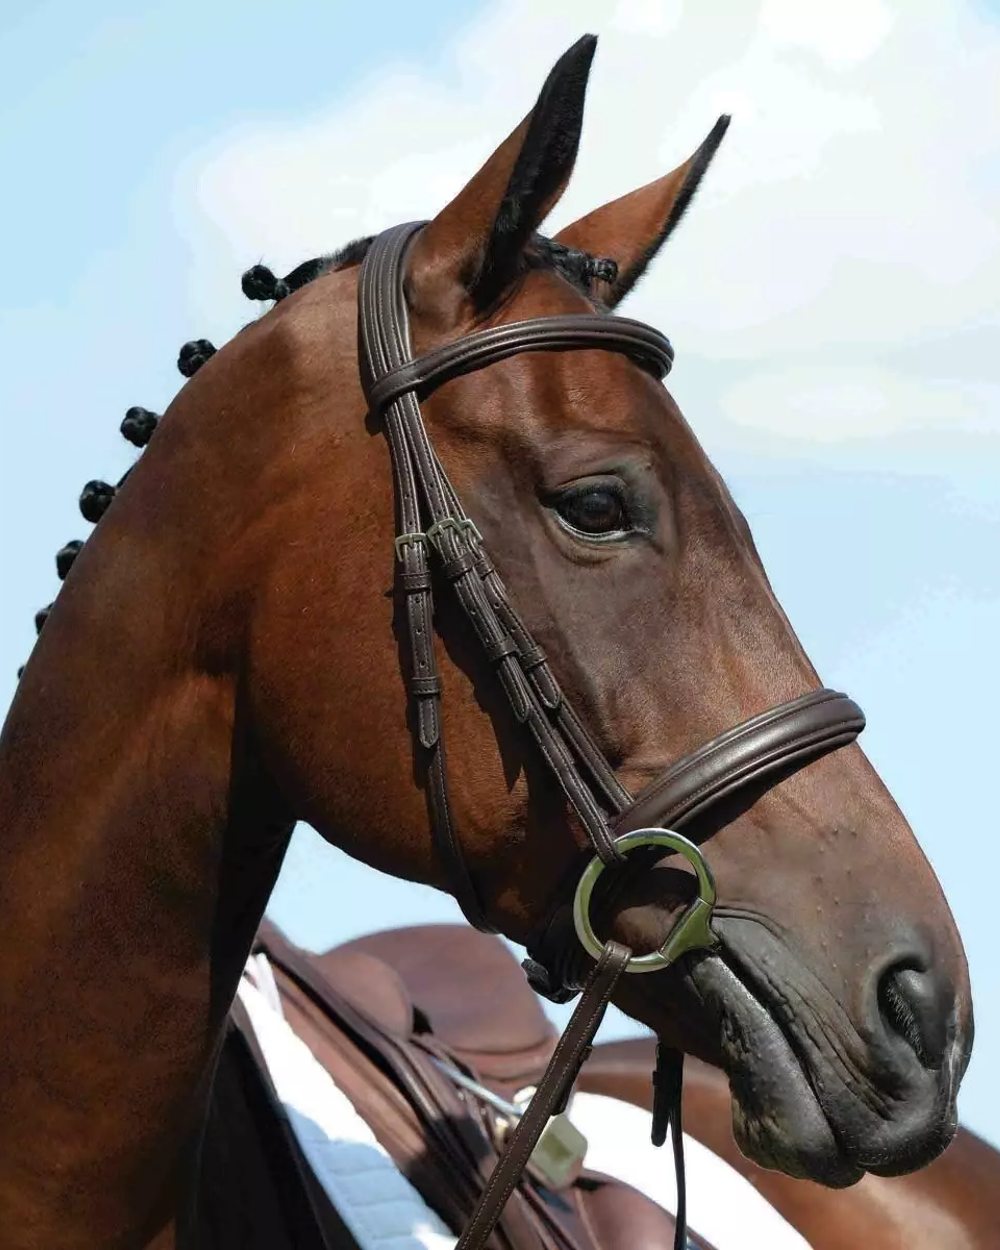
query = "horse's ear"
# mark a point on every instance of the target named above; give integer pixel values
(631, 230)
(473, 248)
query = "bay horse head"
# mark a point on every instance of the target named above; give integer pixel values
(228, 655)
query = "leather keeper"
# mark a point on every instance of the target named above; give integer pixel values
(413, 583)
(424, 686)
(496, 651)
(457, 566)
(532, 658)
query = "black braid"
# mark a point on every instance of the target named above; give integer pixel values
(138, 425)
(603, 269)
(260, 283)
(95, 499)
(576, 266)
(193, 355)
(65, 557)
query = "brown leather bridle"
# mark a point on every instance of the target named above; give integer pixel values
(433, 528)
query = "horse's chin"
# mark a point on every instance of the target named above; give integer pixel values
(777, 1119)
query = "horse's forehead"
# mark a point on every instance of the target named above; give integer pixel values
(581, 406)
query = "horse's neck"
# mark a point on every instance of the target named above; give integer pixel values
(140, 835)
(138, 849)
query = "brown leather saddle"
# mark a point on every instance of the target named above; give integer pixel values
(423, 1028)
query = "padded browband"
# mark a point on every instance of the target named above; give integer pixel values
(571, 332)
(792, 732)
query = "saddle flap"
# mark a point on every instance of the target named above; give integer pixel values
(471, 990)
(357, 975)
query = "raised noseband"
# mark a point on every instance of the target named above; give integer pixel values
(790, 734)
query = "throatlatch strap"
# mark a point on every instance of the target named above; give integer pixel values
(572, 1049)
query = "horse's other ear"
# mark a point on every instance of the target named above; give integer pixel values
(631, 230)
(473, 249)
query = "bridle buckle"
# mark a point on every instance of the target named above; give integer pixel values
(459, 525)
(405, 540)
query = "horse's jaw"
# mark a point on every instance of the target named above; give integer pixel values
(777, 1119)
(814, 1104)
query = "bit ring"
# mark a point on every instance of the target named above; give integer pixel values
(691, 932)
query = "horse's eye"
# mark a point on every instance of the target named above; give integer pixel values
(595, 511)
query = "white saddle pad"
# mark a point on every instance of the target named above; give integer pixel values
(384, 1211)
(375, 1200)
(722, 1205)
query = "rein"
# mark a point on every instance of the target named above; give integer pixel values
(433, 528)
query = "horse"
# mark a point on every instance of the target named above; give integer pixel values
(227, 656)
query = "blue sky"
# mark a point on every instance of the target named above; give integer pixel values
(832, 298)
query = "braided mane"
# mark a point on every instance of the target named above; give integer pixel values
(578, 268)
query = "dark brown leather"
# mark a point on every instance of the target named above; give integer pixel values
(423, 491)
(784, 737)
(550, 1097)
(392, 378)
(794, 732)
(573, 332)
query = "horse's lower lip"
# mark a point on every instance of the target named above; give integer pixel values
(777, 1119)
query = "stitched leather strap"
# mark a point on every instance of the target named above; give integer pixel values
(573, 1048)
(668, 1089)
(571, 332)
(383, 346)
(431, 518)
(791, 733)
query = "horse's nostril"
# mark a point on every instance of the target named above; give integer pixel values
(912, 1004)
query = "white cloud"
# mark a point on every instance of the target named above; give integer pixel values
(841, 33)
(827, 404)
(851, 214)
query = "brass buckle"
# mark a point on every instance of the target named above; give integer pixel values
(691, 932)
(460, 525)
(404, 540)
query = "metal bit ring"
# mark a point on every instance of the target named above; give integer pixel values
(691, 932)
